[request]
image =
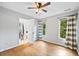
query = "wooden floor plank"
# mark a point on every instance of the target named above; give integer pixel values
(39, 48)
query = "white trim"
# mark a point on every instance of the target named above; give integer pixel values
(8, 48)
(59, 31)
(54, 42)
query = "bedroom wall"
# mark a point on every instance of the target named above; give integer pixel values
(52, 28)
(9, 28)
(78, 32)
(0, 3)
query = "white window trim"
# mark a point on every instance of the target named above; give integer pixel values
(59, 31)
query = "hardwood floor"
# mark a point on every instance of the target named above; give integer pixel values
(39, 48)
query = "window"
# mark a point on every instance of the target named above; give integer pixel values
(63, 26)
(44, 27)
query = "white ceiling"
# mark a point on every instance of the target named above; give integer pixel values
(53, 9)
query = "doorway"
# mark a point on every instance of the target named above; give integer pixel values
(27, 30)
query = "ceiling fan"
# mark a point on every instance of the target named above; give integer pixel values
(39, 6)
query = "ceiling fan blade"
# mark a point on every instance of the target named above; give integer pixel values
(31, 8)
(46, 4)
(38, 4)
(44, 10)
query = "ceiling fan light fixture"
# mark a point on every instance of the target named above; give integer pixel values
(38, 10)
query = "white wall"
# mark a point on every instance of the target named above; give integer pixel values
(0, 3)
(78, 32)
(52, 28)
(9, 28)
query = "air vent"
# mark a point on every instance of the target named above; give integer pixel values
(67, 9)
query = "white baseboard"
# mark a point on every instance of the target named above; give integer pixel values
(53, 42)
(8, 48)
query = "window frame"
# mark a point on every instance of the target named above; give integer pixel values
(59, 30)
